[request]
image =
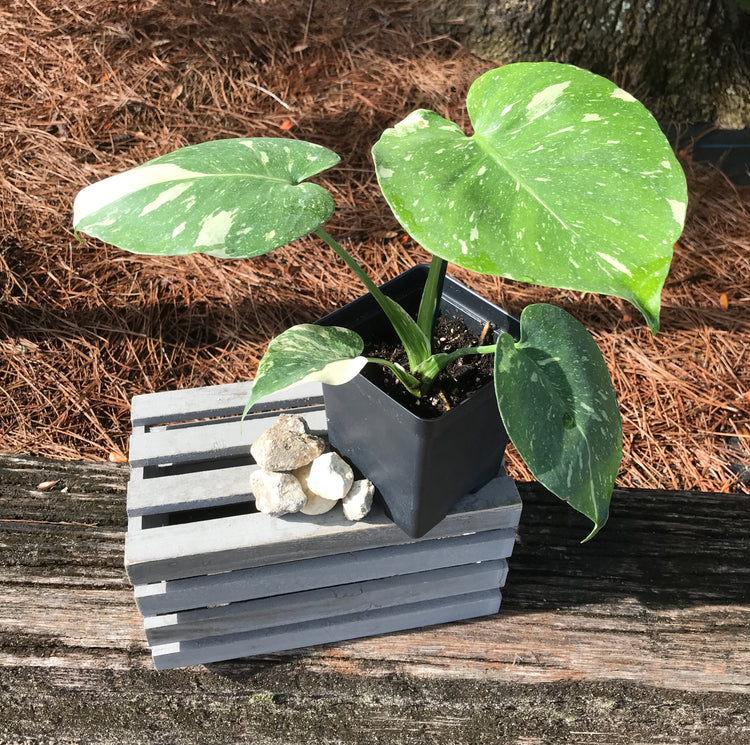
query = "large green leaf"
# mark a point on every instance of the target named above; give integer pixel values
(559, 408)
(567, 182)
(229, 198)
(327, 354)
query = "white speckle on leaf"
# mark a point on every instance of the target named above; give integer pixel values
(615, 263)
(613, 220)
(270, 235)
(591, 118)
(560, 131)
(622, 95)
(666, 164)
(506, 109)
(543, 101)
(385, 172)
(474, 234)
(166, 196)
(264, 157)
(464, 247)
(178, 229)
(678, 210)
(215, 228)
(541, 178)
(613, 142)
(536, 149)
(482, 171)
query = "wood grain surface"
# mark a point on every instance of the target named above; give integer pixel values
(640, 636)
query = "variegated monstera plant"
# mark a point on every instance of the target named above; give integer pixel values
(567, 181)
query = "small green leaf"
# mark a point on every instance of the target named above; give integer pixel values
(559, 409)
(305, 353)
(232, 198)
(567, 181)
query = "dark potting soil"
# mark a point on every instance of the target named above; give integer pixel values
(453, 384)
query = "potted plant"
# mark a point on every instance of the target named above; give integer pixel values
(566, 181)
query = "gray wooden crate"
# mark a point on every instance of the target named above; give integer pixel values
(215, 579)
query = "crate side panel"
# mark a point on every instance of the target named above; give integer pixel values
(295, 636)
(207, 440)
(215, 401)
(312, 605)
(224, 544)
(343, 568)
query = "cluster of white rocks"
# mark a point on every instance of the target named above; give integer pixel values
(296, 474)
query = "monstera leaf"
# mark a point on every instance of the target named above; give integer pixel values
(567, 181)
(229, 198)
(559, 408)
(305, 353)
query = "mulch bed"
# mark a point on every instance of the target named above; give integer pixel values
(91, 87)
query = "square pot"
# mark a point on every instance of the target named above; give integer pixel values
(215, 579)
(420, 467)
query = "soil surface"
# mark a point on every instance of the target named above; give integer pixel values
(455, 382)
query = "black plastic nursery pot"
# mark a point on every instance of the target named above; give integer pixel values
(420, 467)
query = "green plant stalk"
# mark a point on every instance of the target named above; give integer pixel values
(433, 291)
(432, 366)
(411, 383)
(416, 343)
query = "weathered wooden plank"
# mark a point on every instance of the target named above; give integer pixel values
(357, 566)
(242, 541)
(214, 401)
(318, 605)
(327, 630)
(639, 636)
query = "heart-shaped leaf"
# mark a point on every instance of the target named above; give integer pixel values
(229, 198)
(567, 182)
(304, 353)
(559, 408)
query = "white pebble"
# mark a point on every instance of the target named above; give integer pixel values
(358, 502)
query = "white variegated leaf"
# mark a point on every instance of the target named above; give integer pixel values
(567, 181)
(326, 354)
(559, 408)
(233, 198)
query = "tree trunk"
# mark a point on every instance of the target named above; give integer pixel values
(687, 60)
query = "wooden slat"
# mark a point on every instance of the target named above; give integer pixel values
(367, 623)
(355, 566)
(324, 603)
(183, 491)
(214, 401)
(244, 541)
(222, 439)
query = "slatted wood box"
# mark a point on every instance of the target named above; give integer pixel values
(215, 579)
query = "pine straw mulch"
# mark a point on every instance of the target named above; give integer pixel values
(91, 87)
